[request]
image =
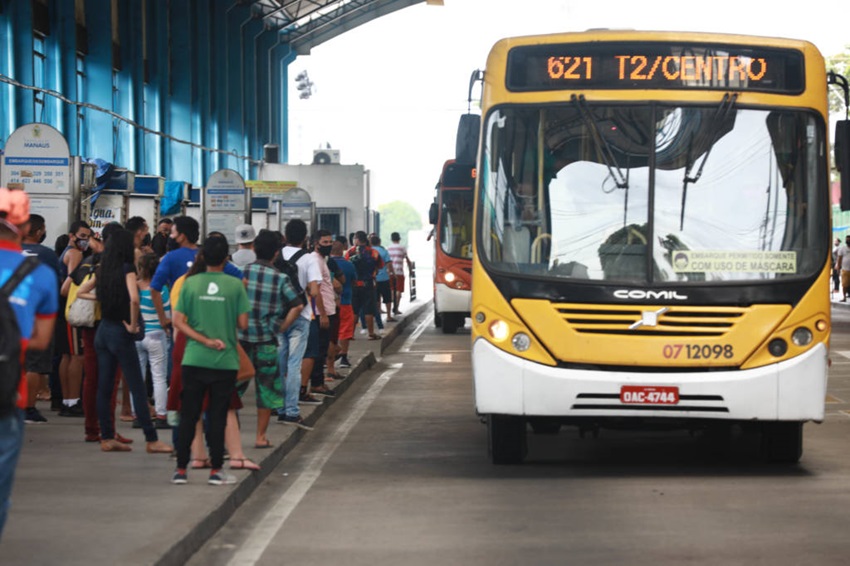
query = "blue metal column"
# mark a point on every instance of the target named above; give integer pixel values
(179, 109)
(251, 85)
(98, 133)
(17, 45)
(64, 65)
(204, 64)
(239, 16)
(127, 96)
(156, 90)
(287, 59)
(262, 119)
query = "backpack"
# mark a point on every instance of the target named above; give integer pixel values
(87, 308)
(288, 267)
(364, 263)
(10, 339)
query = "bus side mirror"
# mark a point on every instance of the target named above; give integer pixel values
(841, 148)
(432, 213)
(466, 144)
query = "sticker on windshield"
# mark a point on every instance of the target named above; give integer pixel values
(691, 261)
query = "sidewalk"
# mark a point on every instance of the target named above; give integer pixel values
(73, 504)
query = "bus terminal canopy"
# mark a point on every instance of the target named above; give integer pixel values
(305, 24)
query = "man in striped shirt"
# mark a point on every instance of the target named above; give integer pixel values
(275, 304)
(398, 256)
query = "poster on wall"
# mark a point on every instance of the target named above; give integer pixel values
(36, 158)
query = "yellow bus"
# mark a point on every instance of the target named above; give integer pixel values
(652, 236)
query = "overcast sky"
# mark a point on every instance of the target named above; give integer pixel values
(389, 93)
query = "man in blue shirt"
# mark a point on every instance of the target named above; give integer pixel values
(382, 279)
(35, 302)
(346, 312)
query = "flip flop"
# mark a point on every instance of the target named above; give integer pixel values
(374, 337)
(268, 444)
(205, 464)
(243, 464)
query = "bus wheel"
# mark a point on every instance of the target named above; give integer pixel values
(438, 318)
(451, 322)
(782, 442)
(506, 439)
(544, 426)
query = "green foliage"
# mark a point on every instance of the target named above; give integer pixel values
(398, 216)
(839, 64)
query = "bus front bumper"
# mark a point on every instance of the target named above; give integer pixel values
(447, 299)
(793, 390)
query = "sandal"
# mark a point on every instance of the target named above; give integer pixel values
(266, 444)
(159, 447)
(112, 445)
(123, 439)
(374, 337)
(201, 464)
(243, 464)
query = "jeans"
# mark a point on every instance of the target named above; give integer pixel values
(154, 350)
(11, 439)
(115, 346)
(292, 344)
(197, 381)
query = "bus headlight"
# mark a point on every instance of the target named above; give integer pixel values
(802, 336)
(449, 277)
(521, 342)
(499, 330)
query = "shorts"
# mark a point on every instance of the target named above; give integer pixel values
(346, 322)
(398, 283)
(75, 340)
(845, 279)
(267, 381)
(40, 361)
(363, 299)
(312, 350)
(384, 291)
(333, 330)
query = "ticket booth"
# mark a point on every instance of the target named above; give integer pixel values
(146, 197)
(226, 204)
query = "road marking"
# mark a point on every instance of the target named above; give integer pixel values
(418, 332)
(268, 527)
(845, 353)
(439, 358)
(833, 399)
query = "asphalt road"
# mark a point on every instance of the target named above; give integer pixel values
(397, 473)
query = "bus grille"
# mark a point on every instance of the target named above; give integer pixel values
(684, 321)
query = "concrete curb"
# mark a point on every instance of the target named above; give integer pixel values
(185, 548)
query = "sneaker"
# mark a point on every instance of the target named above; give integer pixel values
(161, 423)
(343, 361)
(179, 477)
(363, 331)
(75, 410)
(308, 399)
(32, 416)
(220, 477)
(294, 421)
(323, 392)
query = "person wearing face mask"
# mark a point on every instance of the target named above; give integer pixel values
(159, 242)
(324, 308)
(79, 234)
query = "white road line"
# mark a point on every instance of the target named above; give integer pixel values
(268, 527)
(845, 353)
(438, 358)
(416, 333)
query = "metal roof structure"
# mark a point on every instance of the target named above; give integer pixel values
(305, 24)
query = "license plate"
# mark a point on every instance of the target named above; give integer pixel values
(649, 395)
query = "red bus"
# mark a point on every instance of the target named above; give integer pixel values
(451, 215)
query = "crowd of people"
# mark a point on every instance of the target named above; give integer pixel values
(183, 329)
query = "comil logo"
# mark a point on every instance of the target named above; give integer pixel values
(212, 289)
(640, 294)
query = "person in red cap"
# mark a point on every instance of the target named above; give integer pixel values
(34, 301)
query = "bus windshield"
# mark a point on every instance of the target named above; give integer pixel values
(653, 193)
(456, 223)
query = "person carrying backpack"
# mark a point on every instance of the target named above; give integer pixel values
(28, 304)
(366, 263)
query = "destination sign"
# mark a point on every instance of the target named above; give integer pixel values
(655, 66)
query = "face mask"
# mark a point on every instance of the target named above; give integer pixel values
(83, 245)
(171, 244)
(325, 250)
(43, 237)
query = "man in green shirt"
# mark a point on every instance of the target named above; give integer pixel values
(212, 306)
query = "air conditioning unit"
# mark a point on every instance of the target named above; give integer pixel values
(325, 156)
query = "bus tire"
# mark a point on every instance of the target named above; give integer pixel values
(506, 439)
(544, 426)
(451, 322)
(782, 442)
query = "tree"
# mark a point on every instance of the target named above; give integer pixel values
(398, 216)
(839, 64)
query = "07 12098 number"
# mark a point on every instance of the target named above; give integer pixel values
(697, 351)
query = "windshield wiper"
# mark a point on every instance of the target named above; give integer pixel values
(621, 180)
(727, 105)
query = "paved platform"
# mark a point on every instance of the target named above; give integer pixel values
(74, 504)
